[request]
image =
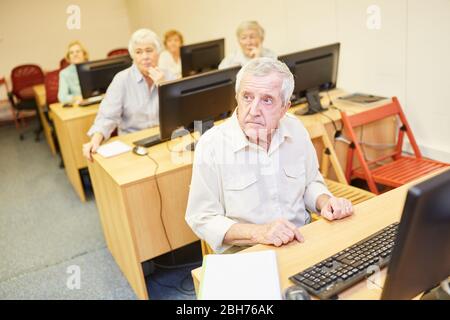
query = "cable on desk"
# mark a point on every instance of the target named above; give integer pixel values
(160, 200)
(172, 150)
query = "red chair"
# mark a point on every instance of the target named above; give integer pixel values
(51, 83)
(23, 79)
(118, 52)
(63, 63)
(402, 168)
(5, 84)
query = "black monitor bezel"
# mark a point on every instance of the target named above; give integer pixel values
(84, 69)
(186, 54)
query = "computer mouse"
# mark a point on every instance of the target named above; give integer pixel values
(140, 151)
(296, 292)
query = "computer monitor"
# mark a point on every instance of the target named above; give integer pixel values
(421, 256)
(314, 70)
(206, 98)
(201, 57)
(95, 76)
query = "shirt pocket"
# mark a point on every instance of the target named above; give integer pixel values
(293, 183)
(241, 194)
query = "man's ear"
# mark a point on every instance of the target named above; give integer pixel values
(286, 107)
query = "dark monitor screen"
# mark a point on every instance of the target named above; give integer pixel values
(201, 57)
(95, 76)
(313, 73)
(314, 70)
(206, 97)
(421, 256)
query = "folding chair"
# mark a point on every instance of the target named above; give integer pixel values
(339, 188)
(403, 168)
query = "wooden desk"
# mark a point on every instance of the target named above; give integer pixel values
(128, 202)
(71, 125)
(324, 239)
(381, 132)
(39, 94)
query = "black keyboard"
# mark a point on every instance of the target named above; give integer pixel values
(149, 141)
(331, 276)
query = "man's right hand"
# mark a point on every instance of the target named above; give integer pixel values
(277, 233)
(92, 146)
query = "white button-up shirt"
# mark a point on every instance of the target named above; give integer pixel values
(234, 180)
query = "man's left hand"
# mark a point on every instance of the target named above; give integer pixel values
(336, 208)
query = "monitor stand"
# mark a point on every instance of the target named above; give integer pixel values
(314, 104)
(204, 126)
(441, 292)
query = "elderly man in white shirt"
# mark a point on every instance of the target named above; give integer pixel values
(255, 175)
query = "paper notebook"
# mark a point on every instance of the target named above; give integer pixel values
(113, 149)
(240, 276)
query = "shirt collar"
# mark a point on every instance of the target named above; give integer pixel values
(280, 135)
(239, 141)
(136, 73)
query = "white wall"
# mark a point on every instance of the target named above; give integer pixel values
(427, 75)
(408, 56)
(36, 32)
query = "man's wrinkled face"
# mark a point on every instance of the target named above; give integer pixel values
(260, 105)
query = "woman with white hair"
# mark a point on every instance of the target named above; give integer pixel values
(131, 101)
(251, 37)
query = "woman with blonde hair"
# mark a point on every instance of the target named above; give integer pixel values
(69, 86)
(250, 36)
(170, 58)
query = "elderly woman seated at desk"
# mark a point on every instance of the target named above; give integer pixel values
(250, 36)
(131, 101)
(170, 58)
(69, 86)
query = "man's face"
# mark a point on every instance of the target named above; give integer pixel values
(249, 39)
(260, 106)
(145, 56)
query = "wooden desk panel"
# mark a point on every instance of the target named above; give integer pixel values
(71, 125)
(126, 193)
(40, 96)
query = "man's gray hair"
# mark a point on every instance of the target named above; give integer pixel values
(143, 36)
(261, 67)
(250, 25)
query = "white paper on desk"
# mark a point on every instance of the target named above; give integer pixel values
(113, 149)
(240, 276)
